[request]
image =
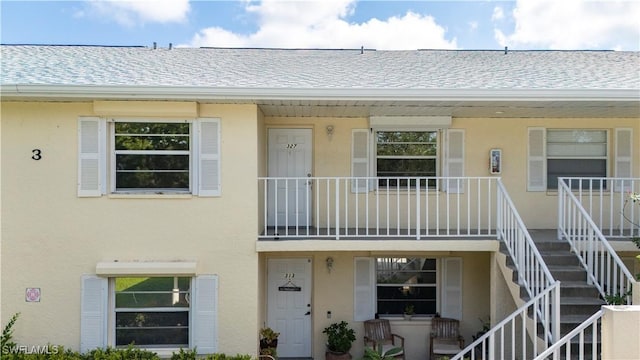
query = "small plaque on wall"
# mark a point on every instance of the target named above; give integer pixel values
(32, 295)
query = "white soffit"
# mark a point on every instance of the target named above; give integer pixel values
(410, 121)
(149, 268)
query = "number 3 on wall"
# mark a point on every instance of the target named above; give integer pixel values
(37, 154)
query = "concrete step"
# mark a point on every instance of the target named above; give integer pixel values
(580, 305)
(560, 258)
(578, 289)
(568, 272)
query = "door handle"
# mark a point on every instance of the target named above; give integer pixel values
(309, 182)
(308, 313)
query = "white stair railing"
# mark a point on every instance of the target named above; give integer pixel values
(605, 269)
(582, 342)
(509, 340)
(533, 273)
(535, 325)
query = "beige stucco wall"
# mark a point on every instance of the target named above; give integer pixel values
(621, 332)
(538, 209)
(50, 237)
(333, 291)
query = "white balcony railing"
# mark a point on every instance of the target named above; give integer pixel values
(605, 269)
(346, 207)
(606, 200)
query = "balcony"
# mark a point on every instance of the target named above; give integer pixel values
(380, 208)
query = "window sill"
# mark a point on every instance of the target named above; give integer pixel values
(150, 196)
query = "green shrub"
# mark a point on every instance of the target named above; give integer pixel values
(7, 334)
(130, 353)
(189, 354)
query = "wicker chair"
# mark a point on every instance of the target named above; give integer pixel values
(445, 339)
(378, 332)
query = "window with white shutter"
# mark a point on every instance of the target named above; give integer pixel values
(153, 312)
(149, 156)
(556, 153)
(386, 286)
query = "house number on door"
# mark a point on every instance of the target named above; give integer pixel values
(37, 154)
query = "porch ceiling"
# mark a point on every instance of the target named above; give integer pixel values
(459, 109)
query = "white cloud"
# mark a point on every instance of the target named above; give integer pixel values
(498, 13)
(323, 24)
(137, 12)
(473, 25)
(574, 24)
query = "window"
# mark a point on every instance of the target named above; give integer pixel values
(405, 154)
(144, 156)
(152, 311)
(385, 285)
(152, 156)
(575, 153)
(406, 281)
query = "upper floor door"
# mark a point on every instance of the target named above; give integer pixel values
(290, 156)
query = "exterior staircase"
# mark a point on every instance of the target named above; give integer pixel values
(578, 299)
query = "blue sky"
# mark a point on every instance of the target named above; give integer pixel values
(518, 24)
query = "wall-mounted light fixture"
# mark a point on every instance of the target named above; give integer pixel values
(330, 131)
(329, 262)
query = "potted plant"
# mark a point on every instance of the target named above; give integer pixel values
(268, 341)
(339, 339)
(408, 312)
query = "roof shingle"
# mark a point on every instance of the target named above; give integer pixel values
(318, 69)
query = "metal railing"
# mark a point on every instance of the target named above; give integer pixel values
(606, 200)
(533, 273)
(604, 268)
(539, 318)
(398, 207)
(582, 341)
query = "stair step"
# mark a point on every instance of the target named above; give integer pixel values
(568, 273)
(560, 258)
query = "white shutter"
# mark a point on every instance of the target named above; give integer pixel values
(623, 158)
(209, 157)
(536, 160)
(454, 160)
(91, 156)
(360, 160)
(93, 313)
(204, 314)
(452, 288)
(364, 307)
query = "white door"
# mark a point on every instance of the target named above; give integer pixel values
(289, 157)
(289, 305)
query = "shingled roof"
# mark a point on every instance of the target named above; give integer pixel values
(318, 69)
